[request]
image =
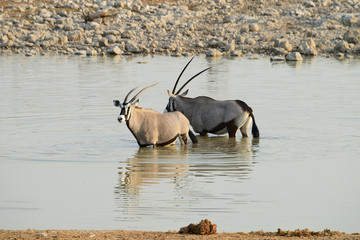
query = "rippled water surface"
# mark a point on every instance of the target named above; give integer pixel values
(66, 163)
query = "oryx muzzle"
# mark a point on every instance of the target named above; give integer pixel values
(207, 115)
(150, 127)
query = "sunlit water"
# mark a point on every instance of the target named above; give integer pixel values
(66, 163)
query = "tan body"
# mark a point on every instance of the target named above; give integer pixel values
(153, 128)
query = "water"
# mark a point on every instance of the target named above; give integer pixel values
(66, 163)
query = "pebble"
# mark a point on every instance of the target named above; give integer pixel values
(294, 56)
(213, 53)
(114, 50)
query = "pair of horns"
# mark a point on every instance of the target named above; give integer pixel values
(137, 95)
(177, 81)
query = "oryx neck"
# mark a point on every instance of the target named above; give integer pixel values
(184, 105)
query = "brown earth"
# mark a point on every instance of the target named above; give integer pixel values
(122, 234)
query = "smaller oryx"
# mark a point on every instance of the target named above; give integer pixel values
(150, 127)
(207, 115)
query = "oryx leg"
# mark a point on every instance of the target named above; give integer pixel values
(192, 137)
(232, 128)
(183, 138)
(203, 133)
(244, 129)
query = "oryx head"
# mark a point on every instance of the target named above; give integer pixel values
(171, 106)
(127, 106)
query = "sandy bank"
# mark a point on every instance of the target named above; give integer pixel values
(121, 234)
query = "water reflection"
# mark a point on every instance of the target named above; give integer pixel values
(223, 156)
(181, 170)
(149, 164)
(212, 155)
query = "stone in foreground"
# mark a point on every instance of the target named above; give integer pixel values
(205, 227)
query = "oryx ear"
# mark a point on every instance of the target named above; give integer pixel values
(184, 93)
(117, 103)
(136, 102)
(170, 94)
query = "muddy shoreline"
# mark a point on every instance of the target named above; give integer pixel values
(282, 29)
(124, 234)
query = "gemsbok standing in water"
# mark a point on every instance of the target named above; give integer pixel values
(150, 127)
(207, 115)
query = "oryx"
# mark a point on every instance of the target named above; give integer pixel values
(150, 127)
(207, 115)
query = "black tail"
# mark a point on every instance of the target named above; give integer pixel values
(255, 131)
(192, 137)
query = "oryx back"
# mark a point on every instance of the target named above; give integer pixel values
(153, 128)
(208, 115)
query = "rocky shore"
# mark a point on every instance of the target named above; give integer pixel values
(280, 28)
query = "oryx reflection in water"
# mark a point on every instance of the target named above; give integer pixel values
(174, 172)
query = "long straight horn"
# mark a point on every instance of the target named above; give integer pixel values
(191, 79)
(129, 94)
(134, 98)
(173, 91)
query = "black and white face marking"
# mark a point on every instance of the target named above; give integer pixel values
(170, 106)
(124, 112)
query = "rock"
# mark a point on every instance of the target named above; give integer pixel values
(131, 46)
(80, 52)
(342, 46)
(279, 51)
(213, 53)
(294, 56)
(68, 27)
(3, 38)
(8, 44)
(41, 235)
(250, 41)
(74, 36)
(308, 47)
(309, 4)
(103, 42)
(352, 36)
(111, 38)
(277, 59)
(92, 26)
(283, 43)
(32, 37)
(205, 227)
(91, 53)
(254, 27)
(326, 3)
(270, 12)
(350, 20)
(199, 44)
(44, 13)
(114, 50)
(230, 46)
(235, 53)
(63, 39)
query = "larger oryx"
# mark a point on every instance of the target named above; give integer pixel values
(207, 115)
(150, 127)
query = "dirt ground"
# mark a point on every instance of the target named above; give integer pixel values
(122, 234)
